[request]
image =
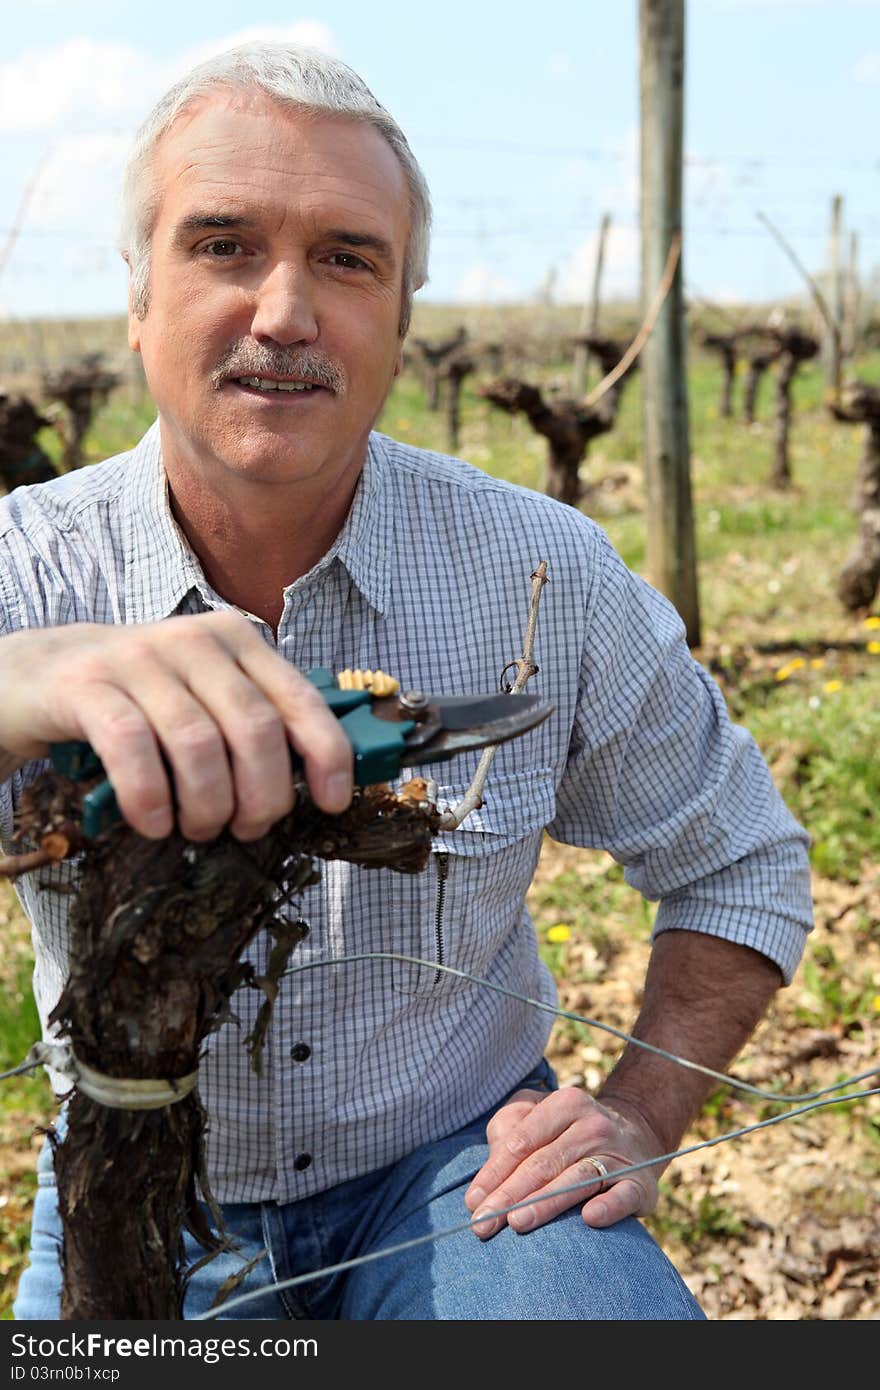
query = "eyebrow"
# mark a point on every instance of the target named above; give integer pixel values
(218, 221)
(362, 239)
(208, 221)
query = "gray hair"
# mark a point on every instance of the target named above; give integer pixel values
(299, 77)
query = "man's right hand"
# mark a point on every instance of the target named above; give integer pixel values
(204, 691)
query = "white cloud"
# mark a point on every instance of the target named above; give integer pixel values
(86, 98)
(482, 285)
(311, 32)
(80, 185)
(724, 294)
(867, 68)
(103, 83)
(621, 263)
(621, 198)
(559, 65)
(767, 4)
(81, 77)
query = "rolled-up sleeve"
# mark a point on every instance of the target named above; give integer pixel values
(20, 594)
(660, 777)
(10, 621)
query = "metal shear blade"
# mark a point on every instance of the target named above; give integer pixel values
(476, 722)
(457, 723)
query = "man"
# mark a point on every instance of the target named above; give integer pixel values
(276, 227)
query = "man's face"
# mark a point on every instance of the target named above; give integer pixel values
(277, 258)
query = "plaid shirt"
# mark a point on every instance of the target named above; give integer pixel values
(430, 579)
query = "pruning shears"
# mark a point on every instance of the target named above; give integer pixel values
(387, 732)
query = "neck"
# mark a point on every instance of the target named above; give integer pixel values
(251, 547)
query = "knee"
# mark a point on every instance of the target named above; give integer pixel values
(38, 1297)
(564, 1271)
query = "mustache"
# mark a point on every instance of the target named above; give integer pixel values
(248, 358)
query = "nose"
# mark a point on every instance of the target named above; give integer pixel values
(285, 311)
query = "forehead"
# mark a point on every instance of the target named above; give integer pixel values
(249, 152)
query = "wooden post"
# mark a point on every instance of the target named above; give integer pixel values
(859, 580)
(831, 346)
(589, 320)
(671, 545)
(852, 306)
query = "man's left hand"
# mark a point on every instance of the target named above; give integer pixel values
(539, 1143)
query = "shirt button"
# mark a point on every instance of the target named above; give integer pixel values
(300, 1052)
(301, 1162)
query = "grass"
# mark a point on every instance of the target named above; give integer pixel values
(767, 566)
(25, 1101)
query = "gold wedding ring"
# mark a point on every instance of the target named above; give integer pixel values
(600, 1169)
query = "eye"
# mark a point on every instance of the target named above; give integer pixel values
(221, 248)
(347, 260)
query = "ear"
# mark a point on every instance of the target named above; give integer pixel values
(134, 331)
(134, 323)
(398, 365)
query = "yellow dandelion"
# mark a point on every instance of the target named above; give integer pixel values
(817, 663)
(874, 648)
(831, 687)
(873, 621)
(877, 1003)
(796, 663)
(561, 932)
(783, 673)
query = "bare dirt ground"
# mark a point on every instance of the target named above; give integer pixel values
(782, 1224)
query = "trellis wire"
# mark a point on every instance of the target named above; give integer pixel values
(517, 1206)
(804, 1102)
(796, 1098)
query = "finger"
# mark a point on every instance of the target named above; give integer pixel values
(154, 676)
(510, 1145)
(123, 739)
(537, 1175)
(313, 730)
(262, 777)
(578, 1180)
(511, 1113)
(498, 1127)
(531, 1179)
(254, 741)
(212, 689)
(625, 1198)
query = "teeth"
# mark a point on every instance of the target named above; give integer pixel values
(261, 383)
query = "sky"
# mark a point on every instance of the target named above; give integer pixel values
(524, 118)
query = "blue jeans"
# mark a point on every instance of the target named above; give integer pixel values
(561, 1271)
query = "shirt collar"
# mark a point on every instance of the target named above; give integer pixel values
(161, 569)
(365, 541)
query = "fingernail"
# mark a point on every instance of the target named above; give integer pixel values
(522, 1220)
(337, 790)
(158, 824)
(474, 1197)
(489, 1226)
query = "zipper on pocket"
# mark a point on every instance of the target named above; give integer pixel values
(442, 875)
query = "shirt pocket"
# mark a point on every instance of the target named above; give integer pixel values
(470, 904)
